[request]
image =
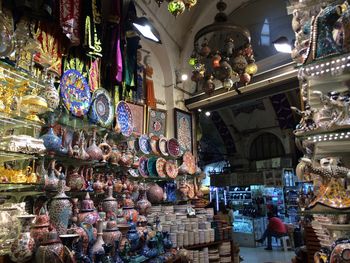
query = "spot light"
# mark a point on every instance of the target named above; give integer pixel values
(184, 77)
(207, 113)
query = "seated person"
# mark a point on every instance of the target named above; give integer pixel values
(275, 228)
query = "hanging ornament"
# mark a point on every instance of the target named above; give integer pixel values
(159, 2)
(208, 85)
(205, 50)
(245, 78)
(196, 76)
(229, 46)
(239, 63)
(193, 60)
(224, 71)
(216, 60)
(190, 3)
(228, 83)
(176, 7)
(251, 69)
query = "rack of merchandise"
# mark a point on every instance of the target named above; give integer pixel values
(323, 132)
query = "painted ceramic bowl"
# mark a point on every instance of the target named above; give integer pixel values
(162, 146)
(144, 144)
(152, 166)
(160, 166)
(171, 169)
(173, 147)
(154, 143)
(143, 166)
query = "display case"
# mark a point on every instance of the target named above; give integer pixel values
(274, 197)
(247, 229)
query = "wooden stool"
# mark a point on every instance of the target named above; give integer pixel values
(286, 244)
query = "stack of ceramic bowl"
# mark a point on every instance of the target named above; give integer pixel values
(170, 217)
(168, 209)
(180, 239)
(166, 228)
(214, 256)
(155, 209)
(201, 236)
(205, 255)
(196, 256)
(173, 238)
(190, 238)
(181, 209)
(225, 252)
(196, 237)
(212, 235)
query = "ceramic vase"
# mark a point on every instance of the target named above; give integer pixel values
(60, 209)
(115, 155)
(111, 233)
(123, 228)
(116, 255)
(51, 95)
(23, 246)
(93, 150)
(98, 245)
(155, 193)
(130, 214)
(51, 181)
(88, 213)
(143, 204)
(153, 251)
(68, 242)
(110, 204)
(41, 172)
(107, 258)
(166, 241)
(133, 237)
(87, 234)
(98, 185)
(51, 249)
(76, 180)
(52, 142)
(40, 227)
(105, 148)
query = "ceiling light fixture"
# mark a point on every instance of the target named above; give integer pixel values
(177, 7)
(222, 51)
(207, 113)
(146, 29)
(282, 45)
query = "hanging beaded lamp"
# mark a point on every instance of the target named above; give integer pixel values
(177, 7)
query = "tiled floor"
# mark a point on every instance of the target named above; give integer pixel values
(260, 255)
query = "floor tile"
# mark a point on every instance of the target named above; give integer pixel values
(260, 255)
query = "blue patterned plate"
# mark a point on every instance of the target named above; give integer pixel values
(103, 107)
(143, 166)
(152, 166)
(75, 92)
(124, 118)
(144, 144)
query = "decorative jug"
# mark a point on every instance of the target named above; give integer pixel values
(40, 227)
(111, 233)
(98, 245)
(110, 204)
(51, 181)
(76, 181)
(88, 213)
(143, 204)
(105, 148)
(133, 237)
(115, 155)
(94, 151)
(51, 249)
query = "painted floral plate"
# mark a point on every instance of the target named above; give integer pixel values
(190, 162)
(160, 166)
(144, 144)
(171, 169)
(152, 166)
(103, 107)
(162, 146)
(124, 118)
(154, 143)
(173, 147)
(75, 92)
(143, 166)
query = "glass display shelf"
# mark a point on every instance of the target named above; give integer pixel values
(328, 212)
(11, 121)
(333, 64)
(6, 156)
(337, 133)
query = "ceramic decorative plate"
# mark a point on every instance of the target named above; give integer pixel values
(143, 166)
(171, 169)
(173, 148)
(133, 172)
(154, 144)
(190, 162)
(75, 92)
(160, 165)
(124, 118)
(103, 107)
(144, 144)
(162, 146)
(152, 166)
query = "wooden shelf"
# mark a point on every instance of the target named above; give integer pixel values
(198, 246)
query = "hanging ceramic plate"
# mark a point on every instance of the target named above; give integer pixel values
(173, 147)
(103, 107)
(143, 166)
(162, 146)
(171, 169)
(144, 144)
(160, 166)
(190, 162)
(152, 166)
(75, 92)
(124, 118)
(154, 143)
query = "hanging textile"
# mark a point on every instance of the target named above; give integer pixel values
(70, 15)
(148, 73)
(92, 27)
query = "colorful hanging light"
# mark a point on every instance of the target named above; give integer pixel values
(176, 7)
(190, 3)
